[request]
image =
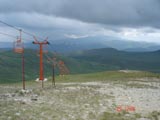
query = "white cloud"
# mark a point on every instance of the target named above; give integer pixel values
(75, 36)
(141, 34)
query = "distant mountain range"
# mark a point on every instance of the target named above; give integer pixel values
(87, 61)
(144, 49)
(115, 59)
(69, 45)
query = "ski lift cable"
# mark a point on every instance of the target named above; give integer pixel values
(16, 28)
(49, 58)
(5, 34)
(52, 49)
(12, 36)
(10, 25)
(19, 29)
(23, 31)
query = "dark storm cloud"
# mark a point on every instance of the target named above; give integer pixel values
(127, 13)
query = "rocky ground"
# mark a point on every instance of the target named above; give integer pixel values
(137, 99)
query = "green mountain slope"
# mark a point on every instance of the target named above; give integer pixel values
(11, 65)
(149, 61)
(81, 62)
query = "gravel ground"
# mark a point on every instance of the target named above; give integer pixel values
(82, 101)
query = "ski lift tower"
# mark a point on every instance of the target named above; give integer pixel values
(41, 70)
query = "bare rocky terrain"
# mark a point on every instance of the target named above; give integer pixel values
(95, 100)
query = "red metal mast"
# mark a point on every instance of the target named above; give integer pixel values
(62, 68)
(41, 70)
(23, 71)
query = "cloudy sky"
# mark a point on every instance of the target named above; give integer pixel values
(137, 20)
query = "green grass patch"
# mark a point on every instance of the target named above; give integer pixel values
(106, 76)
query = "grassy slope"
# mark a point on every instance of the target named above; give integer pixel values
(107, 76)
(10, 66)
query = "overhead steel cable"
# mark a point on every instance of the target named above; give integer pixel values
(30, 34)
(19, 29)
(53, 68)
(53, 52)
(48, 58)
(12, 36)
(9, 25)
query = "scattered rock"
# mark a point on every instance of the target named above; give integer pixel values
(5, 96)
(17, 114)
(9, 118)
(34, 97)
(23, 102)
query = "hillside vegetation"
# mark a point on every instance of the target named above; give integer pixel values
(80, 62)
(114, 59)
(10, 66)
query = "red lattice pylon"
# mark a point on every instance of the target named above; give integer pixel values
(62, 68)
